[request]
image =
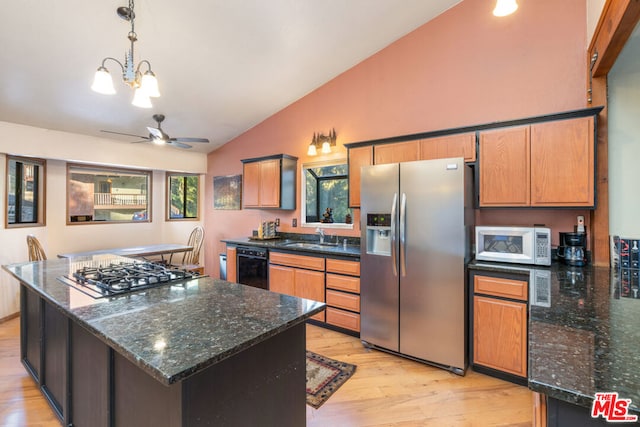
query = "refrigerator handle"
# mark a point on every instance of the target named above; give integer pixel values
(393, 234)
(403, 242)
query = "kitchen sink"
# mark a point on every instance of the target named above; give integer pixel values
(309, 245)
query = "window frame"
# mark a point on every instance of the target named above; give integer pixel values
(168, 177)
(303, 194)
(113, 170)
(41, 192)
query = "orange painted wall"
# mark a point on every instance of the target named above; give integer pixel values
(463, 68)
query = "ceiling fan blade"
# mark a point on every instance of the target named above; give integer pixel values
(156, 133)
(137, 142)
(125, 134)
(205, 140)
(178, 144)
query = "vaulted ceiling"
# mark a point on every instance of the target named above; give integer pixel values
(223, 65)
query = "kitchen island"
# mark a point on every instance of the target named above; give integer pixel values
(200, 352)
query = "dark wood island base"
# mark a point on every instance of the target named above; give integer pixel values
(88, 383)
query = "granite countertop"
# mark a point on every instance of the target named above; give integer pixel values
(171, 331)
(352, 250)
(584, 332)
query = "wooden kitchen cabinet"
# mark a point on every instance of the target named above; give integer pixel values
(232, 264)
(562, 159)
(546, 164)
(269, 182)
(397, 153)
(448, 146)
(343, 294)
(504, 162)
(358, 157)
(298, 275)
(499, 324)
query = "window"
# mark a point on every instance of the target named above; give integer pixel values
(97, 194)
(183, 196)
(25, 192)
(325, 187)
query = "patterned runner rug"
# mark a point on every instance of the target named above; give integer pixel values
(324, 377)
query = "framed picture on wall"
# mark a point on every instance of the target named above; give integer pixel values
(227, 192)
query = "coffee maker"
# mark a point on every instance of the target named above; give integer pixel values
(573, 248)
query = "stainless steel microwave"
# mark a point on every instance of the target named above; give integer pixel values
(522, 245)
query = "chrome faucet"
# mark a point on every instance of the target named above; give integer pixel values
(320, 231)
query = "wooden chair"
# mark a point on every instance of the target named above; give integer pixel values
(191, 259)
(36, 253)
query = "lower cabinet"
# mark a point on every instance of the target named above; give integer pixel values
(292, 275)
(334, 281)
(499, 325)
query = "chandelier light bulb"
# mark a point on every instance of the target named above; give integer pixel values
(149, 84)
(505, 7)
(102, 82)
(141, 99)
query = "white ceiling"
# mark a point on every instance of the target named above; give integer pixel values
(223, 65)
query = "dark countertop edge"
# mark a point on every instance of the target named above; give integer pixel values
(503, 268)
(153, 372)
(571, 396)
(272, 244)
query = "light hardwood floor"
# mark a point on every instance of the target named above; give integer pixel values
(385, 390)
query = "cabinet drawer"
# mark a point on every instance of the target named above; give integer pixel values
(343, 283)
(343, 267)
(507, 288)
(343, 300)
(301, 261)
(343, 319)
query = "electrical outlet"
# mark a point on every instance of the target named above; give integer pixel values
(294, 222)
(277, 222)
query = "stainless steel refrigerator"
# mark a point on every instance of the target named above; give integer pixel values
(417, 222)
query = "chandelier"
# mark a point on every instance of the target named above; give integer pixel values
(145, 85)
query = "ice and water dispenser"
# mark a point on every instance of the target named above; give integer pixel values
(379, 234)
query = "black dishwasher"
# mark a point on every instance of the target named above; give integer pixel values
(253, 267)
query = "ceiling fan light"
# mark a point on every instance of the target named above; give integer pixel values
(505, 7)
(102, 82)
(149, 84)
(158, 141)
(312, 150)
(326, 147)
(141, 99)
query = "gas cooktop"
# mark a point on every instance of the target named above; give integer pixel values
(100, 279)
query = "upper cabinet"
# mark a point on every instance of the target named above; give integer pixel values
(397, 153)
(547, 164)
(504, 167)
(358, 157)
(269, 182)
(543, 161)
(448, 146)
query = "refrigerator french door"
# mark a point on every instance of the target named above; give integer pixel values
(416, 222)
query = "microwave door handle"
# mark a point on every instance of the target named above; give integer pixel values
(403, 235)
(394, 257)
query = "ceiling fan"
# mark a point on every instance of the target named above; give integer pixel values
(157, 135)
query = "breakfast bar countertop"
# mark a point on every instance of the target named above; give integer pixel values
(584, 333)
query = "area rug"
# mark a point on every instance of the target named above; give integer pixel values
(324, 377)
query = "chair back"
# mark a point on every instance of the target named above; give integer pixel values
(36, 253)
(195, 240)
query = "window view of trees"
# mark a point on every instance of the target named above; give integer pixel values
(183, 196)
(109, 195)
(25, 191)
(326, 188)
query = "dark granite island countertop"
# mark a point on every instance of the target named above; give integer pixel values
(584, 332)
(173, 332)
